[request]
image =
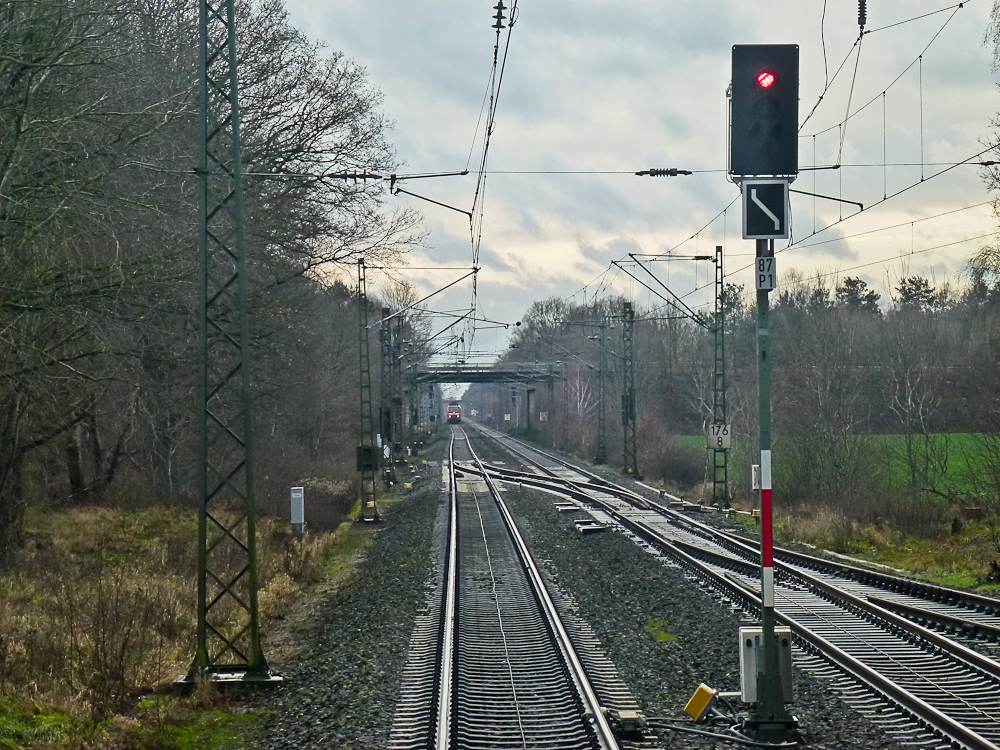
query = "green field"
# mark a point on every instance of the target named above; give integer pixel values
(957, 463)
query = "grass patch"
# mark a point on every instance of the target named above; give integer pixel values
(656, 628)
(99, 611)
(23, 724)
(957, 459)
(961, 560)
(188, 728)
(159, 723)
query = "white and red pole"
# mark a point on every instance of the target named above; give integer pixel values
(766, 531)
(768, 719)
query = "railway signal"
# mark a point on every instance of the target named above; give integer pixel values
(763, 143)
(764, 111)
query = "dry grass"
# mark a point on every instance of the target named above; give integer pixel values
(958, 559)
(99, 609)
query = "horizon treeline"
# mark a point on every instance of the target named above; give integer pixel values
(886, 410)
(98, 256)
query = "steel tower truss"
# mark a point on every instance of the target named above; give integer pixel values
(397, 392)
(565, 407)
(367, 452)
(720, 466)
(630, 461)
(601, 454)
(228, 634)
(385, 424)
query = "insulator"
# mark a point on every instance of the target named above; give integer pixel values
(499, 17)
(862, 13)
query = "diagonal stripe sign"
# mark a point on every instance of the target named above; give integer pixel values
(765, 209)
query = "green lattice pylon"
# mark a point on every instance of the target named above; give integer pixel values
(228, 622)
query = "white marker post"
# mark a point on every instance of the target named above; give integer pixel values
(298, 512)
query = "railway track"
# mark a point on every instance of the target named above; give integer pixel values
(944, 693)
(492, 663)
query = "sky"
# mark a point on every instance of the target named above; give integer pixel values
(601, 86)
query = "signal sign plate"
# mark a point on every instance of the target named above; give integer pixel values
(765, 278)
(765, 209)
(718, 436)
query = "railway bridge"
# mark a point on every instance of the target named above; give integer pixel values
(517, 372)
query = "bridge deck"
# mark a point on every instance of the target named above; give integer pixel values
(514, 373)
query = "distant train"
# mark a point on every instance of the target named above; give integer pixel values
(454, 413)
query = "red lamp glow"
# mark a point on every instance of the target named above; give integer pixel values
(765, 79)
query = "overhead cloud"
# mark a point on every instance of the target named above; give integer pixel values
(619, 87)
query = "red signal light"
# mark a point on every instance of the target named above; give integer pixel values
(765, 79)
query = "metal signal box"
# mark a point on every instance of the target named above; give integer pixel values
(752, 655)
(764, 115)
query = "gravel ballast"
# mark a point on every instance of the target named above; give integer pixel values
(342, 692)
(664, 633)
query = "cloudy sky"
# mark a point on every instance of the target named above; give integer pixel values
(624, 85)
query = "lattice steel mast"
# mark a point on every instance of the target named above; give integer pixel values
(228, 633)
(367, 454)
(397, 393)
(720, 465)
(630, 461)
(601, 454)
(565, 407)
(385, 395)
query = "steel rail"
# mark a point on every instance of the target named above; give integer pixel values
(900, 615)
(603, 730)
(942, 723)
(969, 628)
(443, 728)
(908, 586)
(919, 589)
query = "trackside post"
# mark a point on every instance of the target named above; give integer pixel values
(768, 721)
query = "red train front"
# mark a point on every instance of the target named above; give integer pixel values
(454, 413)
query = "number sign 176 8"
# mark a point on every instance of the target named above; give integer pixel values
(719, 436)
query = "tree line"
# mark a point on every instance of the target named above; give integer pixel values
(888, 410)
(98, 261)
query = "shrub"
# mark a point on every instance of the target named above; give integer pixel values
(675, 462)
(117, 623)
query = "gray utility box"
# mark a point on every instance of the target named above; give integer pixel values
(752, 654)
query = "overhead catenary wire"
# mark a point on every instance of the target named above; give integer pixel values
(496, 84)
(607, 277)
(917, 18)
(874, 262)
(889, 197)
(851, 115)
(902, 255)
(860, 234)
(422, 299)
(729, 274)
(850, 97)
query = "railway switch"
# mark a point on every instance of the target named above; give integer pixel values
(752, 658)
